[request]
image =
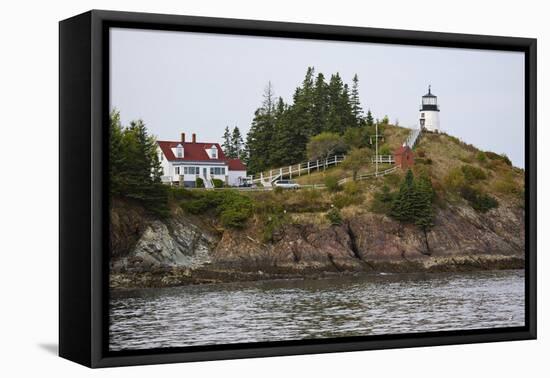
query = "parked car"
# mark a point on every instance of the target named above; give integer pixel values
(286, 184)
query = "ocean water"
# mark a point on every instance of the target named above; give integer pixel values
(311, 309)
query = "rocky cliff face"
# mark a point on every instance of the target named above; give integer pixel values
(141, 243)
(461, 239)
(369, 240)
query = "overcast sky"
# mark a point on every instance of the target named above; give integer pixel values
(199, 83)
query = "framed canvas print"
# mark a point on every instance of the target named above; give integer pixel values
(234, 188)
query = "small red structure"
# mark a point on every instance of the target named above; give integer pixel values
(404, 157)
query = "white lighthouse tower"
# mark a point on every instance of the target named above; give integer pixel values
(429, 112)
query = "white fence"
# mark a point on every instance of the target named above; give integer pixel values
(368, 176)
(268, 177)
(383, 159)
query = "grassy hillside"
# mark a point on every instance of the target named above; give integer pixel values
(474, 220)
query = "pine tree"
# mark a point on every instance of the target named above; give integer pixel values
(320, 105)
(116, 154)
(369, 119)
(236, 143)
(403, 208)
(226, 145)
(334, 118)
(424, 197)
(260, 135)
(356, 109)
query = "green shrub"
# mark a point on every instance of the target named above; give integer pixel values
(234, 218)
(199, 182)
(351, 188)
(494, 156)
(233, 208)
(382, 201)
(331, 183)
(427, 161)
(392, 180)
(507, 185)
(473, 174)
(342, 200)
(385, 150)
(218, 183)
(180, 193)
(481, 157)
(479, 201)
(466, 159)
(454, 179)
(273, 218)
(334, 217)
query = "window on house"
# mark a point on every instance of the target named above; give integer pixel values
(179, 151)
(217, 170)
(214, 153)
(177, 170)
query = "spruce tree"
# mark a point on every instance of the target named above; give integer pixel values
(403, 208)
(260, 135)
(424, 197)
(334, 117)
(320, 105)
(116, 154)
(369, 119)
(236, 143)
(226, 145)
(356, 109)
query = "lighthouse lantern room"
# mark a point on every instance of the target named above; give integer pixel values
(429, 112)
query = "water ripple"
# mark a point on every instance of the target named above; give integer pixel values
(305, 309)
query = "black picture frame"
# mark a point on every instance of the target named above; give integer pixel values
(83, 200)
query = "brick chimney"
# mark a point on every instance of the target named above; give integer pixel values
(194, 138)
(182, 137)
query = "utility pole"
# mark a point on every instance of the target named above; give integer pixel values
(376, 154)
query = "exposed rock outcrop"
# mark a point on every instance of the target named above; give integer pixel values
(180, 251)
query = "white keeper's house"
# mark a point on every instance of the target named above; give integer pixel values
(183, 162)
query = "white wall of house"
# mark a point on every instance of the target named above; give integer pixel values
(191, 171)
(233, 177)
(166, 167)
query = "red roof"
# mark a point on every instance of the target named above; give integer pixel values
(197, 152)
(236, 165)
(191, 151)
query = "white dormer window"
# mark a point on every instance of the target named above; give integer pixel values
(212, 152)
(179, 151)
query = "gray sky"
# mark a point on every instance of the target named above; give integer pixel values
(199, 83)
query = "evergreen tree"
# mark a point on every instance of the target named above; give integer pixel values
(226, 145)
(320, 105)
(424, 197)
(116, 154)
(414, 204)
(403, 208)
(356, 109)
(134, 166)
(236, 143)
(279, 132)
(295, 125)
(369, 119)
(334, 118)
(260, 135)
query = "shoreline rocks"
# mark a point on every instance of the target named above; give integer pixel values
(181, 250)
